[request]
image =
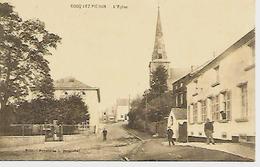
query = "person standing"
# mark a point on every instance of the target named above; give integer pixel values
(170, 134)
(104, 134)
(209, 130)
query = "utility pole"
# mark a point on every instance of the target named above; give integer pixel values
(146, 110)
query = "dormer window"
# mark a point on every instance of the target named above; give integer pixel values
(171, 120)
(196, 88)
(251, 63)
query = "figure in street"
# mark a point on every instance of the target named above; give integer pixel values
(170, 134)
(209, 130)
(104, 134)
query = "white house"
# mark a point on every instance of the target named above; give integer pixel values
(177, 121)
(122, 109)
(223, 90)
(91, 96)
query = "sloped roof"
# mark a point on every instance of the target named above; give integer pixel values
(180, 113)
(70, 83)
(204, 67)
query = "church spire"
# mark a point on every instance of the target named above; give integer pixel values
(159, 47)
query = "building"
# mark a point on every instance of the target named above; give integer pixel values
(177, 120)
(159, 56)
(223, 90)
(179, 90)
(122, 109)
(91, 96)
(109, 115)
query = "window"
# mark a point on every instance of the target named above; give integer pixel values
(203, 110)
(251, 59)
(217, 73)
(244, 102)
(196, 88)
(171, 120)
(160, 52)
(196, 84)
(189, 114)
(252, 46)
(215, 108)
(226, 113)
(122, 116)
(181, 98)
(83, 93)
(176, 100)
(66, 93)
(181, 85)
(195, 112)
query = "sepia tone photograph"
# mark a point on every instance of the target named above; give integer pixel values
(127, 80)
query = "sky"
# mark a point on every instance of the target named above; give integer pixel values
(111, 48)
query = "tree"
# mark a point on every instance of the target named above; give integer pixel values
(23, 47)
(72, 110)
(159, 81)
(36, 111)
(136, 111)
(160, 107)
(69, 110)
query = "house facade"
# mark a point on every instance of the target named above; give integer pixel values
(223, 90)
(90, 95)
(122, 109)
(109, 115)
(179, 90)
(177, 121)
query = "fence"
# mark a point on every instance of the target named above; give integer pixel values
(39, 129)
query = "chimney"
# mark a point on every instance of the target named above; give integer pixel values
(191, 68)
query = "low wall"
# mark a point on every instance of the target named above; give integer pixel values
(13, 141)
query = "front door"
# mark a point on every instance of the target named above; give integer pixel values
(183, 132)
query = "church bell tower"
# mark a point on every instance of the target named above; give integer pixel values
(159, 56)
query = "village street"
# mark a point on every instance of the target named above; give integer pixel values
(122, 144)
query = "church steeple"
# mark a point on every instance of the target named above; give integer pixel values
(159, 47)
(159, 57)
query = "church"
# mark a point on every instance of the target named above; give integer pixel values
(159, 57)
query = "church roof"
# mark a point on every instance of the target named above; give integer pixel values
(70, 83)
(177, 73)
(159, 47)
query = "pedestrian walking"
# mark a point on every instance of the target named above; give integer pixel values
(104, 134)
(209, 130)
(170, 134)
